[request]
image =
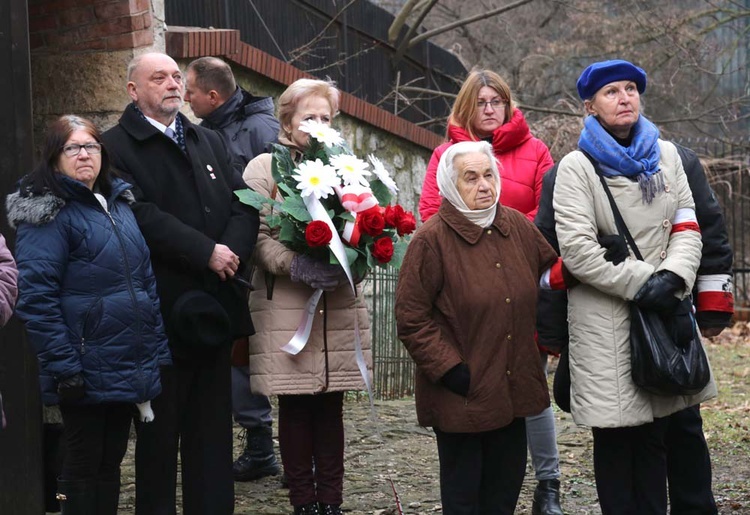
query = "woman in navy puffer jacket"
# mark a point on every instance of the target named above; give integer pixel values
(87, 295)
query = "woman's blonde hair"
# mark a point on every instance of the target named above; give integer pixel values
(300, 89)
(465, 106)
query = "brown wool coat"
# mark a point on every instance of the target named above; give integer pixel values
(469, 294)
(327, 363)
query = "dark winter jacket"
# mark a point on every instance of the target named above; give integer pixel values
(445, 317)
(87, 293)
(713, 288)
(185, 205)
(247, 124)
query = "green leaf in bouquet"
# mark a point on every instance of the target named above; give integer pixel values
(381, 192)
(282, 163)
(254, 199)
(346, 216)
(295, 207)
(273, 220)
(399, 251)
(288, 190)
(288, 232)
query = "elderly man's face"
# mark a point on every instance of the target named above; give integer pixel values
(476, 182)
(156, 87)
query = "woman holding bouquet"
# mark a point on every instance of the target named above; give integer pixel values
(311, 384)
(477, 372)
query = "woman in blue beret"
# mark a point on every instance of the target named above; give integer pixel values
(648, 185)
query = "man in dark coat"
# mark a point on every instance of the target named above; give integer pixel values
(200, 236)
(688, 459)
(249, 128)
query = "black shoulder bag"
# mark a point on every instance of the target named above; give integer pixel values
(661, 363)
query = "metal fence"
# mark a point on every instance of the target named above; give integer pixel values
(727, 164)
(393, 367)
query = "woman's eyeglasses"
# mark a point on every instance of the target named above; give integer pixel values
(73, 149)
(494, 104)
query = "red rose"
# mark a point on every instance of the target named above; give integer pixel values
(406, 224)
(318, 234)
(371, 222)
(382, 250)
(393, 214)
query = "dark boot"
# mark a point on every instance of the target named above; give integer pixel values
(107, 497)
(258, 459)
(547, 498)
(307, 509)
(77, 497)
(330, 509)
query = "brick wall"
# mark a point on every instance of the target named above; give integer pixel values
(64, 26)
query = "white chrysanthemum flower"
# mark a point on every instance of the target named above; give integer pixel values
(351, 169)
(315, 178)
(320, 131)
(382, 174)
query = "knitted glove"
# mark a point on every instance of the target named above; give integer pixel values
(315, 273)
(457, 379)
(658, 293)
(71, 389)
(617, 249)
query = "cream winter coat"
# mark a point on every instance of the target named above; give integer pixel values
(602, 391)
(327, 363)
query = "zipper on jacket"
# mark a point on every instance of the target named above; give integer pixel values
(83, 345)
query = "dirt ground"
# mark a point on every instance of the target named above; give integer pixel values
(396, 449)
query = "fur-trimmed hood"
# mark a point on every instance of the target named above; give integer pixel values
(27, 207)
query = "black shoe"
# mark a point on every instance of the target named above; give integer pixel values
(547, 498)
(330, 509)
(77, 497)
(307, 509)
(258, 459)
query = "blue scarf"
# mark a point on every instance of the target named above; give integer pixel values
(639, 161)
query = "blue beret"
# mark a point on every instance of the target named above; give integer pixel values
(597, 75)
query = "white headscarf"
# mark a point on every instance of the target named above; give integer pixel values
(447, 177)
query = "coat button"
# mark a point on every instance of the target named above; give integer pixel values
(507, 300)
(508, 337)
(498, 265)
(321, 311)
(666, 188)
(663, 254)
(508, 372)
(666, 223)
(207, 209)
(489, 231)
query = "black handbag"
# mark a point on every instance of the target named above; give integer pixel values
(666, 353)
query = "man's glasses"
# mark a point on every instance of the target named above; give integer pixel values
(494, 104)
(73, 149)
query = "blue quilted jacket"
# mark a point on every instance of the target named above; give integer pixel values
(87, 293)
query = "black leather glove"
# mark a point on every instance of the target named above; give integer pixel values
(658, 293)
(681, 324)
(316, 273)
(71, 389)
(617, 248)
(458, 379)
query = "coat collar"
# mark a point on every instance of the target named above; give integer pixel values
(139, 128)
(467, 230)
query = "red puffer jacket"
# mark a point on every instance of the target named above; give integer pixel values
(523, 161)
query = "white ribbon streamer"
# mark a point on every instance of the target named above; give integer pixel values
(299, 340)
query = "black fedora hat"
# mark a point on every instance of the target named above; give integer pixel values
(198, 319)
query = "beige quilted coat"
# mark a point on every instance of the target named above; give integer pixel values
(327, 363)
(602, 391)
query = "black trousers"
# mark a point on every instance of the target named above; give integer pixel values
(193, 414)
(96, 438)
(482, 473)
(630, 465)
(689, 465)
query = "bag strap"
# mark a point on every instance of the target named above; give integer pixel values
(619, 222)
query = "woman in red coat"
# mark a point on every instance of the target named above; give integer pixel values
(484, 110)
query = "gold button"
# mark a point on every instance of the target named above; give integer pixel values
(663, 254)
(508, 372)
(489, 231)
(666, 223)
(509, 337)
(497, 265)
(507, 300)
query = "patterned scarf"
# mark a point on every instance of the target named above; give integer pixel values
(639, 161)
